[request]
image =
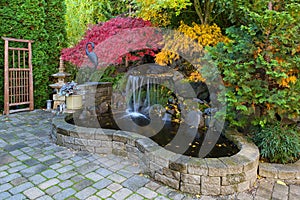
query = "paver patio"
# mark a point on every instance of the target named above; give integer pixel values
(33, 167)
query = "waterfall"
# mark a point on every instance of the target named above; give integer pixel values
(144, 91)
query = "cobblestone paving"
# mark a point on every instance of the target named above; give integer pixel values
(33, 167)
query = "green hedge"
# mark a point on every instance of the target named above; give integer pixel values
(82, 13)
(41, 21)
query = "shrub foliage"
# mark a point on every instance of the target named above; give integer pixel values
(200, 36)
(279, 144)
(119, 38)
(81, 13)
(43, 22)
(261, 66)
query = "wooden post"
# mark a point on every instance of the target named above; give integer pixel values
(31, 98)
(6, 80)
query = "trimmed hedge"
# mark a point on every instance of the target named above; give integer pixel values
(41, 21)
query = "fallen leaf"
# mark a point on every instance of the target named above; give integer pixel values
(281, 182)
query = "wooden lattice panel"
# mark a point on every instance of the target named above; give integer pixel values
(18, 87)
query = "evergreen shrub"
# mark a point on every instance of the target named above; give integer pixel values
(43, 22)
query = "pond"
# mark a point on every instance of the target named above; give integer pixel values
(160, 124)
(222, 148)
(207, 176)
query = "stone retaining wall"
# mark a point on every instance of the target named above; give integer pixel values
(96, 96)
(289, 173)
(208, 176)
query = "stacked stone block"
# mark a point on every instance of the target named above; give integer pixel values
(289, 173)
(207, 176)
(96, 97)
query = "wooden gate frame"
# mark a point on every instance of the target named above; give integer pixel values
(18, 79)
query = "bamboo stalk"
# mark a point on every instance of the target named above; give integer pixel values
(13, 59)
(19, 58)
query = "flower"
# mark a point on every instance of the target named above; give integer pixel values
(68, 89)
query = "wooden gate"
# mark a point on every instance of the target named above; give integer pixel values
(18, 82)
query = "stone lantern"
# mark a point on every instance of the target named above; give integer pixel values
(60, 76)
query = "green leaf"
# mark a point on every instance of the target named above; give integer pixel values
(242, 107)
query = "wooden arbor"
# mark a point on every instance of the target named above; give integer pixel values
(18, 81)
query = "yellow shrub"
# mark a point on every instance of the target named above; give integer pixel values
(188, 39)
(160, 12)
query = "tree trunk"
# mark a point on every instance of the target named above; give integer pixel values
(204, 10)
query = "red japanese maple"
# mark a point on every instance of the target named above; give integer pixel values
(116, 40)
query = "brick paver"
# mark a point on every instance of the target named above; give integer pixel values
(33, 167)
(34, 193)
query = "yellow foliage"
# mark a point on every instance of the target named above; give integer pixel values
(257, 52)
(187, 41)
(291, 79)
(268, 106)
(279, 60)
(204, 34)
(166, 57)
(156, 11)
(157, 18)
(196, 77)
(285, 82)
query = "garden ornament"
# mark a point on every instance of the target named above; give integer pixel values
(91, 55)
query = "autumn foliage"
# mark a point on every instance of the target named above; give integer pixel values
(203, 35)
(160, 12)
(116, 41)
(199, 35)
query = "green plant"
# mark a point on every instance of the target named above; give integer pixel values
(171, 12)
(87, 74)
(278, 143)
(43, 22)
(160, 12)
(81, 13)
(107, 74)
(260, 66)
(112, 75)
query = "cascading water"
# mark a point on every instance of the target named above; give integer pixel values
(144, 92)
(148, 89)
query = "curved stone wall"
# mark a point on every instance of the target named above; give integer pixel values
(289, 173)
(207, 176)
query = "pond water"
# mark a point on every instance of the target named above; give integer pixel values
(165, 136)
